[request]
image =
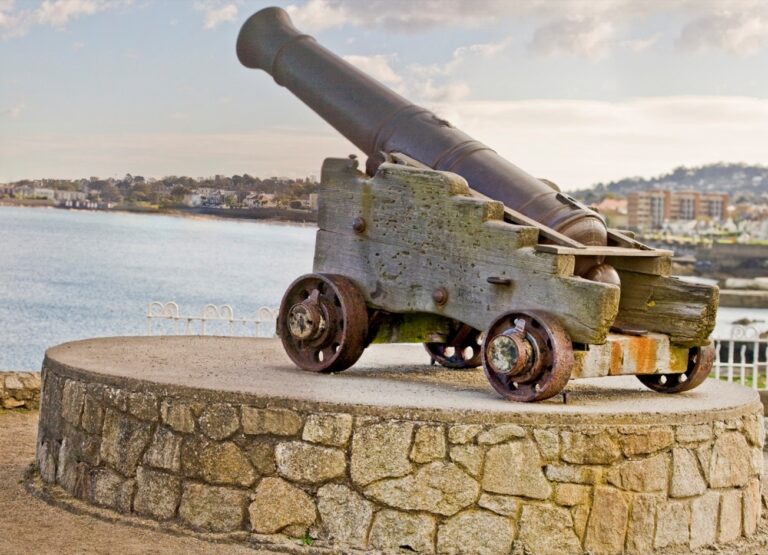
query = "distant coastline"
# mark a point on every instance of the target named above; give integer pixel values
(268, 215)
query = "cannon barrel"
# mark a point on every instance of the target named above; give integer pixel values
(378, 120)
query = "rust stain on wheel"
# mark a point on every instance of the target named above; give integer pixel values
(323, 322)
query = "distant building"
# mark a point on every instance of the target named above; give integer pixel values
(251, 200)
(215, 198)
(24, 191)
(267, 200)
(41, 192)
(651, 209)
(192, 200)
(313, 201)
(70, 195)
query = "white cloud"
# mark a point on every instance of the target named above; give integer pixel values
(486, 49)
(587, 37)
(577, 27)
(739, 28)
(586, 28)
(378, 67)
(577, 143)
(12, 23)
(216, 12)
(58, 13)
(321, 14)
(430, 92)
(574, 143)
(426, 83)
(460, 56)
(52, 13)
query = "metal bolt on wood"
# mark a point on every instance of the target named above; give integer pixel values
(359, 225)
(440, 296)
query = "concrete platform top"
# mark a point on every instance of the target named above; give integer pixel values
(394, 378)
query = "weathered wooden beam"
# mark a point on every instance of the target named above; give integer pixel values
(510, 215)
(684, 311)
(403, 279)
(429, 210)
(623, 355)
(621, 238)
(591, 250)
(658, 266)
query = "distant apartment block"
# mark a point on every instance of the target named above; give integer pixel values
(42, 192)
(651, 209)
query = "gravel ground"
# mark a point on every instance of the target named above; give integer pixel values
(29, 525)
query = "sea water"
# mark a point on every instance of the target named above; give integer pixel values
(68, 274)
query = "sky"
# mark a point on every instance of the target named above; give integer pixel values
(574, 91)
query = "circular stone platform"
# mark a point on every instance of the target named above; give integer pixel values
(224, 435)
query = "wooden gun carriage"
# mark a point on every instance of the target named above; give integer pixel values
(465, 252)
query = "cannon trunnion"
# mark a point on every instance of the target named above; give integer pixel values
(441, 241)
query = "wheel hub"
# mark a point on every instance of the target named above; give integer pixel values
(527, 356)
(509, 353)
(306, 321)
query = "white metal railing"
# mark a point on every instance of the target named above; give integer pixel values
(213, 320)
(742, 358)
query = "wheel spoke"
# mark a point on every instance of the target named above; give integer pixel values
(457, 354)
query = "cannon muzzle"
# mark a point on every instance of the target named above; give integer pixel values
(379, 121)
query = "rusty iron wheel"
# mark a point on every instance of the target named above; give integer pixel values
(323, 322)
(527, 356)
(700, 361)
(462, 351)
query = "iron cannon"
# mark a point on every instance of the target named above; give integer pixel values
(442, 241)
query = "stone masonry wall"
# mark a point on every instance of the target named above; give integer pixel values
(19, 390)
(354, 481)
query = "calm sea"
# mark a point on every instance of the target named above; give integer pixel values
(68, 275)
(74, 274)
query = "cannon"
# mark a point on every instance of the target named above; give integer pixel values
(444, 242)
